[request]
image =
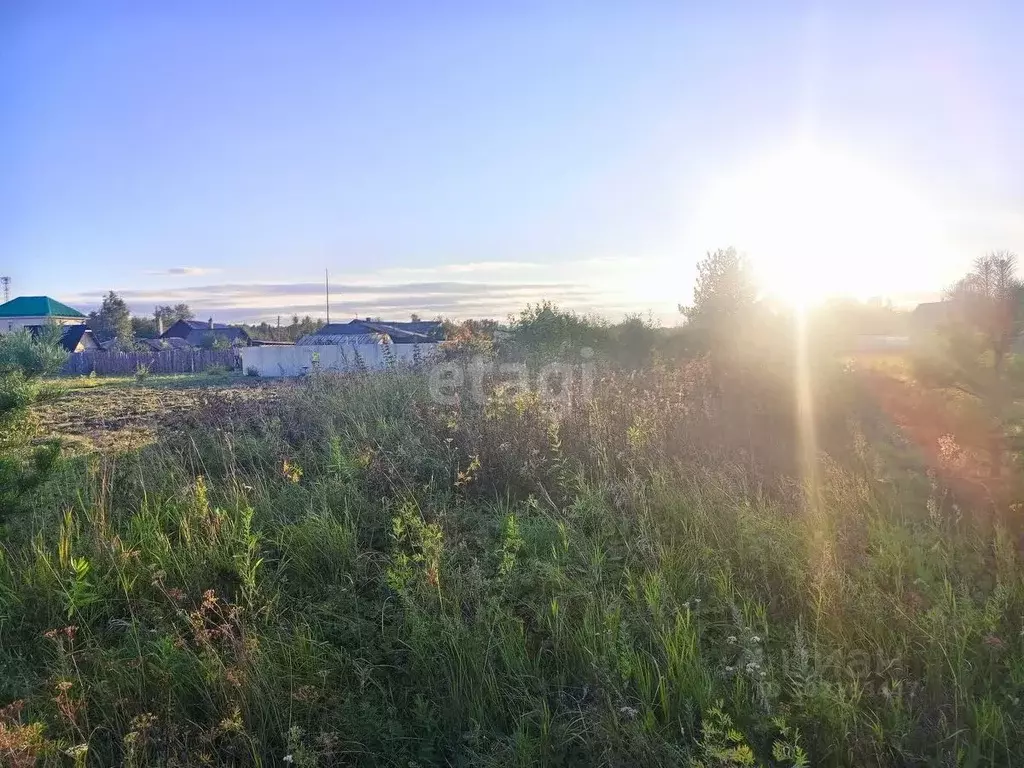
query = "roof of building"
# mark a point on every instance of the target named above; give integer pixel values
(202, 325)
(70, 337)
(311, 339)
(194, 331)
(418, 332)
(170, 342)
(37, 306)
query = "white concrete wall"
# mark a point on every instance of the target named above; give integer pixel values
(8, 324)
(298, 360)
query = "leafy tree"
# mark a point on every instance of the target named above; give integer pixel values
(144, 327)
(113, 320)
(545, 330)
(723, 297)
(170, 315)
(24, 465)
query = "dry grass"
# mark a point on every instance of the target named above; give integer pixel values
(117, 413)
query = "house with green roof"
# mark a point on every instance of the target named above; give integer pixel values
(27, 311)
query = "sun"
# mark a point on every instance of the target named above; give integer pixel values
(817, 222)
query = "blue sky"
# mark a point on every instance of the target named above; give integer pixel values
(465, 158)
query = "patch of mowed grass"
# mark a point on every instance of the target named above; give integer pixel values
(356, 575)
(217, 378)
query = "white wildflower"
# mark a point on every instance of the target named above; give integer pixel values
(755, 639)
(288, 759)
(731, 639)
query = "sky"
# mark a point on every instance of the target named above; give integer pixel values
(466, 158)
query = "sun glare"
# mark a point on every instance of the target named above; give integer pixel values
(816, 223)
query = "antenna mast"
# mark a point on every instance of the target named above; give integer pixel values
(6, 282)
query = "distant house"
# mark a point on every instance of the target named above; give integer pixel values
(373, 331)
(26, 311)
(75, 338)
(158, 345)
(931, 315)
(197, 333)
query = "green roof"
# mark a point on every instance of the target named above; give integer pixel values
(37, 306)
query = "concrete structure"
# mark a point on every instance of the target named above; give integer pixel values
(344, 358)
(26, 311)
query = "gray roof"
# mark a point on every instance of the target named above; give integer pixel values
(312, 339)
(418, 332)
(195, 331)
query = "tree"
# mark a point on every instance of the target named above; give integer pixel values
(988, 299)
(986, 318)
(113, 321)
(144, 327)
(171, 315)
(723, 296)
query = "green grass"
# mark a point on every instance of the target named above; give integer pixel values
(349, 574)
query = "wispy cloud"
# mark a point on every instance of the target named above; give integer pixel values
(481, 289)
(183, 271)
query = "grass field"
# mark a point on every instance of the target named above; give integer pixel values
(112, 413)
(344, 572)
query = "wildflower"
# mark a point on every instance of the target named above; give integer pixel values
(729, 669)
(755, 639)
(696, 600)
(288, 759)
(992, 641)
(629, 712)
(731, 639)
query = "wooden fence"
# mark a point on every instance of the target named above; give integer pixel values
(165, 361)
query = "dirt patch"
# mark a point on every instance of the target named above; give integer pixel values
(125, 417)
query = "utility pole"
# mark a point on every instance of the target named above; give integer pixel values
(327, 294)
(6, 281)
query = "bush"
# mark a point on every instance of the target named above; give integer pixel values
(24, 465)
(141, 372)
(252, 371)
(33, 357)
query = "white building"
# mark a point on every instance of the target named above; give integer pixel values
(27, 311)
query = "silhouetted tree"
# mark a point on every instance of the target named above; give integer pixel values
(988, 299)
(985, 320)
(723, 297)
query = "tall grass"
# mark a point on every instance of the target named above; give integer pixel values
(356, 575)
